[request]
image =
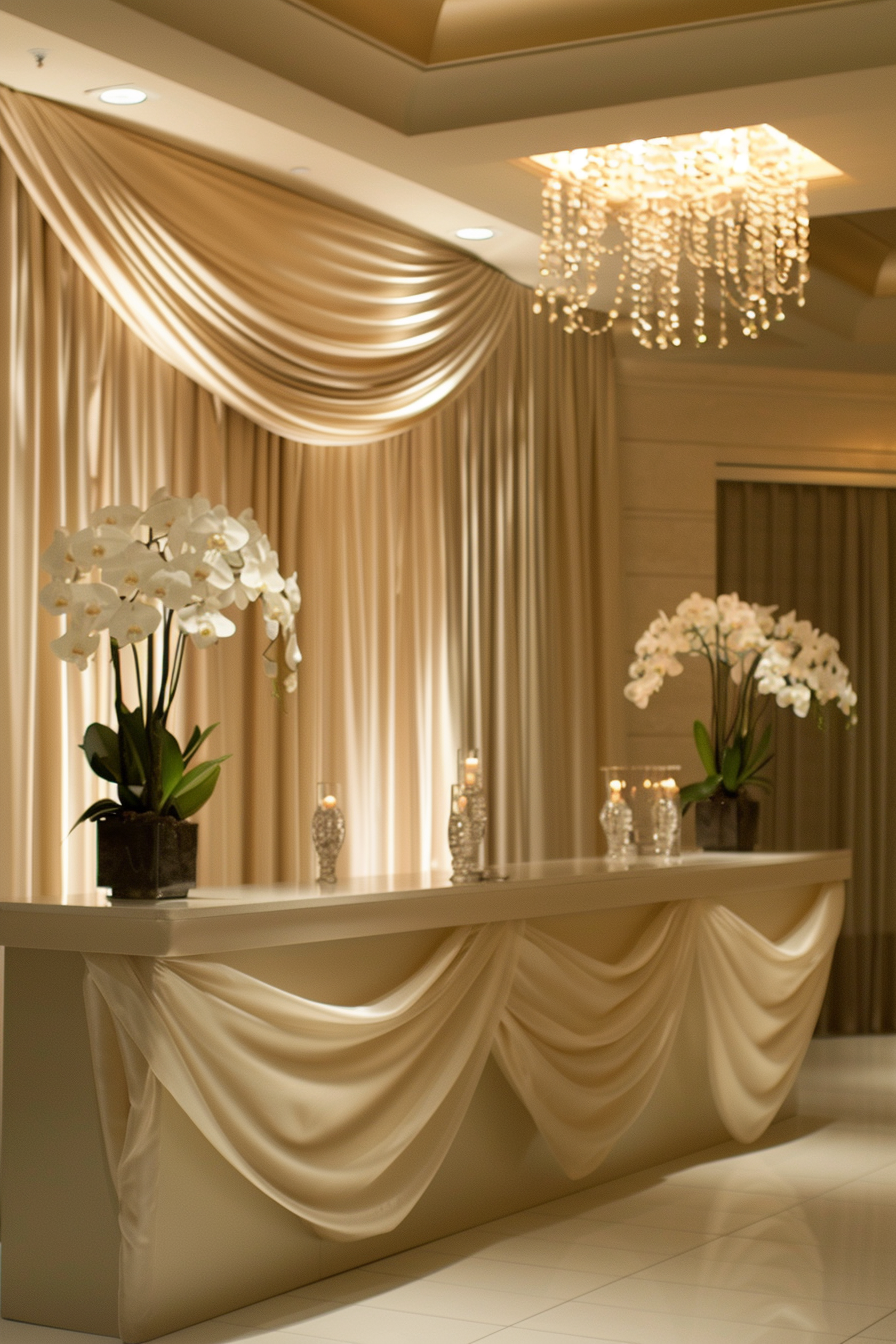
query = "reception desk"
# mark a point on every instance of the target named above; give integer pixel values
(583, 1021)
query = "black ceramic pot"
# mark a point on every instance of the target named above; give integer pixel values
(146, 858)
(726, 822)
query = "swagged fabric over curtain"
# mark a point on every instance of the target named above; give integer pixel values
(451, 574)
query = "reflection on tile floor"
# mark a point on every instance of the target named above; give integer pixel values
(789, 1241)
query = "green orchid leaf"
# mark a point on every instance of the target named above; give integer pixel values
(172, 766)
(100, 809)
(704, 747)
(693, 793)
(136, 752)
(731, 763)
(133, 798)
(100, 746)
(755, 760)
(196, 740)
(195, 777)
(762, 782)
(190, 801)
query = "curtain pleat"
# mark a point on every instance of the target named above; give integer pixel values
(312, 322)
(450, 577)
(830, 552)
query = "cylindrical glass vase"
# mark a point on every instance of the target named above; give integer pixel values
(641, 815)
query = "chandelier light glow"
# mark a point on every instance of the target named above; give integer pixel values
(728, 206)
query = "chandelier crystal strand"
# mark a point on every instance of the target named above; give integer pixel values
(730, 205)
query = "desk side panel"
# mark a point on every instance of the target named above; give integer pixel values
(59, 1208)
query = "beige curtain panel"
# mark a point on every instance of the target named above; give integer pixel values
(343, 1114)
(456, 581)
(830, 552)
(311, 322)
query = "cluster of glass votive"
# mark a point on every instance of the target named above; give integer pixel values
(466, 824)
(327, 830)
(642, 812)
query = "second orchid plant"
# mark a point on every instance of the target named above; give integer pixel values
(752, 655)
(157, 580)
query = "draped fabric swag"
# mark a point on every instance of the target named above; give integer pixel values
(830, 552)
(453, 577)
(313, 323)
(343, 1114)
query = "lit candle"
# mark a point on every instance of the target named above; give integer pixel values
(328, 802)
(471, 770)
(462, 803)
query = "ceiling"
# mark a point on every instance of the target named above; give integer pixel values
(414, 110)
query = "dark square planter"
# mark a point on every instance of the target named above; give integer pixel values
(723, 822)
(145, 857)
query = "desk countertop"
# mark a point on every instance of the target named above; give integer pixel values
(225, 919)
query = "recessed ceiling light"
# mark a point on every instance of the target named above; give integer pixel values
(475, 235)
(124, 96)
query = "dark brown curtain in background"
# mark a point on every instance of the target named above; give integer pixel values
(830, 552)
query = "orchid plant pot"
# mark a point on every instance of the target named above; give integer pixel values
(157, 580)
(144, 857)
(726, 822)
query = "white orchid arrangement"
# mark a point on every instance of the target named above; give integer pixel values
(751, 653)
(158, 579)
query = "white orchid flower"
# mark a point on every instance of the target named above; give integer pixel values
(247, 518)
(133, 622)
(56, 597)
(123, 516)
(276, 610)
(206, 570)
(235, 594)
(293, 656)
(163, 513)
(271, 666)
(172, 587)
(97, 545)
(217, 531)
(76, 646)
(290, 683)
(640, 690)
(128, 570)
(204, 625)
(177, 533)
(94, 604)
(261, 573)
(292, 594)
(57, 560)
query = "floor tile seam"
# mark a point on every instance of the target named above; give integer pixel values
(489, 1327)
(337, 1303)
(614, 1278)
(643, 1276)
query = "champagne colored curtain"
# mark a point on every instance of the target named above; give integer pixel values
(309, 321)
(451, 576)
(830, 552)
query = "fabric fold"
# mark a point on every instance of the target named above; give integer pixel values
(342, 1115)
(762, 1003)
(316, 324)
(584, 1042)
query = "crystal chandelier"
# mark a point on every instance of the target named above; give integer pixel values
(722, 211)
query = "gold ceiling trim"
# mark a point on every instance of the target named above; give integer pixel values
(440, 32)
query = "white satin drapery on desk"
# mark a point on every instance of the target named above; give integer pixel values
(331, 1048)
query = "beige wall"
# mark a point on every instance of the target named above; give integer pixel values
(681, 428)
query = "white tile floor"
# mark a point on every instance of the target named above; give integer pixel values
(790, 1241)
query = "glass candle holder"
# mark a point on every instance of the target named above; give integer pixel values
(465, 834)
(327, 830)
(469, 768)
(642, 811)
